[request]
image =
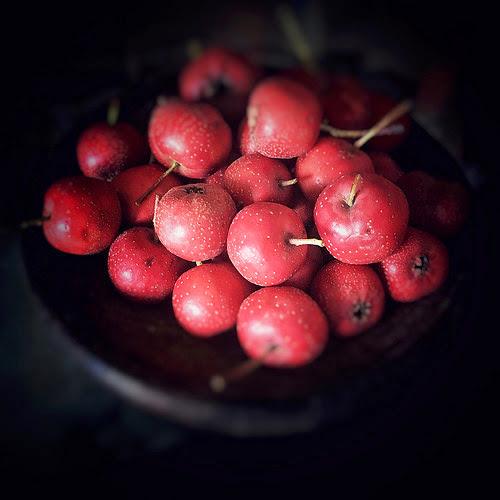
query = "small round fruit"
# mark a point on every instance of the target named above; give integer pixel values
(194, 134)
(361, 218)
(417, 268)
(82, 215)
(103, 150)
(352, 297)
(206, 298)
(255, 177)
(282, 326)
(258, 243)
(283, 118)
(192, 220)
(328, 159)
(141, 268)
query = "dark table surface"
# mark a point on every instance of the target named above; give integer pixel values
(64, 433)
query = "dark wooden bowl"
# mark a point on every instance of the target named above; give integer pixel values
(141, 352)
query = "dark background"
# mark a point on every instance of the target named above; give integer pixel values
(62, 433)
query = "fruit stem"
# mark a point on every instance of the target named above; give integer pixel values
(306, 241)
(356, 134)
(396, 112)
(218, 382)
(300, 45)
(151, 188)
(113, 111)
(34, 222)
(289, 182)
(352, 193)
(157, 199)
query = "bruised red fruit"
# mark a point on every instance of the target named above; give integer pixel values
(192, 220)
(141, 268)
(81, 215)
(283, 118)
(193, 134)
(282, 326)
(206, 298)
(258, 243)
(352, 297)
(255, 177)
(103, 150)
(438, 206)
(417, 268)
(361, 218)
(132, 183)
(328, 159)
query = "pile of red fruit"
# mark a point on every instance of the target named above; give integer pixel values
(249, 203)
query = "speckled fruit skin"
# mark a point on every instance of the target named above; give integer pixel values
(283, 118)
(346, 103)
(385, 165)
(352, 297)
(192, 133)
(132, 183)
(417, 268)
(206, 298)
(192, 220)
(368, 231)
(257, 243)
(285, 318)
(103, 150)
(438, 206)
(328, 159)
(255, 177)
(141, 268)
(84, 215)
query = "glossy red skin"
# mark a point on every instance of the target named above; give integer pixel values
(404, 282)
(132, 183)
(257, 243)
(380, 105)
(255, 177)
(440, 207)
(304, 275)
(141, 268)
(340, 288)
(198, 80)
(368, 231)
(346, 103)
(84, 215)
(283, 118)
(192, 220)
(385, 165)
(328, 159)
(192, 133)
(206, 298)
(104, 150)
(286, 318)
